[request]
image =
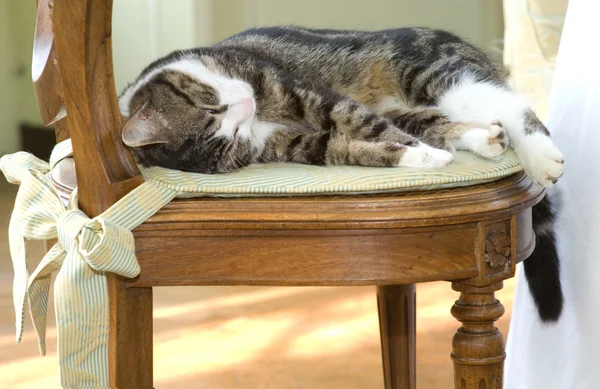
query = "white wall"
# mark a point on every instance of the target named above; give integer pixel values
(144, 30)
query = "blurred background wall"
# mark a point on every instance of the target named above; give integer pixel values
(478, 21)
(144, 30)
(17, 101)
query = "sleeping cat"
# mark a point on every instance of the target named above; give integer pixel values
(403, 97)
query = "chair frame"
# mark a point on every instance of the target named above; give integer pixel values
(391, 241)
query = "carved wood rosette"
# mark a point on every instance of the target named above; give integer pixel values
(497, 249)
(496, 252)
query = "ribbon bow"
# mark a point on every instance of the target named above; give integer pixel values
(86, 249)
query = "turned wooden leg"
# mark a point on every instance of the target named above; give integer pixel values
(478, 346)
(397, 311)
(130, 336)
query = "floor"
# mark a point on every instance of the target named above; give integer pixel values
(251, 337)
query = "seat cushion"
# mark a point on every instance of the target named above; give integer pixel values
(296, 179)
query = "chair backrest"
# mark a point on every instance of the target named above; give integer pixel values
(73, 70)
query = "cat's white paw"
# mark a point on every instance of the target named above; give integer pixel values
(490, 143)
(542, 161)
(425, 156)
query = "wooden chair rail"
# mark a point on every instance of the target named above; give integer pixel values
(73, 38)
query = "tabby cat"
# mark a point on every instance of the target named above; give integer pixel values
(394, 98)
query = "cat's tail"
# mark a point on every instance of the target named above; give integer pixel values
(542, 268)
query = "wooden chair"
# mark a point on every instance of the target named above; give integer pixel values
(472, 236)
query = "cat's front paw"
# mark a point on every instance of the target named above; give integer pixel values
(490, 143)
(425, 156)
(540, 158)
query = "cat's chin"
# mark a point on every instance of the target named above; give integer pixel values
(261, 131)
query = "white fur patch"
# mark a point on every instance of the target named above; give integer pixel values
(261, 131)
(425, 156)
(542, 161)
(483, 103)
(238, 116)
(230, 91)
(481, 141)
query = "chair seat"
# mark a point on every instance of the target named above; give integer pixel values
(375, 239)
(350, 231)
(295, 179)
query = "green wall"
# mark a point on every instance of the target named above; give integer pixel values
(480, 21)
(17, 100)
(7, 84)
(144, 30)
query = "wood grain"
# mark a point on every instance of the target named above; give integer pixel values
(333, 240)
(45, 72)
(105, 169)
(372, 257)
(130, 338)
(497, 200)
(478, 346)
(397, 326)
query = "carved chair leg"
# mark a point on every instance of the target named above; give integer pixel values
(397, 316)
(478, 346)
(130, 336)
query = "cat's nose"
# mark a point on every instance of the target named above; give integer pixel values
(245, 108)
(241, 111)
(247, 103)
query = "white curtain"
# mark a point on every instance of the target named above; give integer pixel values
(565, 355)
(532, 31)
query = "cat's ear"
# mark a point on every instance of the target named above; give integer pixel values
(144, 128)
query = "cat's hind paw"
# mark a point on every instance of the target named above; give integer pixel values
(490, 143)
(542, 161)
(425, 156)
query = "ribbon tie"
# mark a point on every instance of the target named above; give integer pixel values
(85, 251)
(69, 225)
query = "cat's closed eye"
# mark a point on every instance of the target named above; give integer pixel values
(216, 110)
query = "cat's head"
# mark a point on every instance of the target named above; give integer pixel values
(184, 116)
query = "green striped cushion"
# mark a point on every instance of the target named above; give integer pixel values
(296, 179)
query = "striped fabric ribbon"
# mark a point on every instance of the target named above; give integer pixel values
(86, 250)
(89, 248)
